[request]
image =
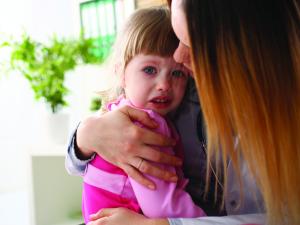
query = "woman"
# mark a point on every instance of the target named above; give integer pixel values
(245, 58)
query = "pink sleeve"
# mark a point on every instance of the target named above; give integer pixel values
(168, 200)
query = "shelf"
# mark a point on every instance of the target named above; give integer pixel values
(55, 195)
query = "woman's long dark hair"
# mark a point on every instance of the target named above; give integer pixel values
(246, 62)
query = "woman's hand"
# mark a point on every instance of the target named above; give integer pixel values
(118, 140)
(117, 216)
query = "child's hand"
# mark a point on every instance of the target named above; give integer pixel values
(117, 216)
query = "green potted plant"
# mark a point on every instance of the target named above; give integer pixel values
(45, 65)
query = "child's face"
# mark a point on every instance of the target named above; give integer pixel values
(155, 82)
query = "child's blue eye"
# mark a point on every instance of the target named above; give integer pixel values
(178, 73)
(149, 70)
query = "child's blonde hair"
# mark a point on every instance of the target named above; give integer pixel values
(147, 31)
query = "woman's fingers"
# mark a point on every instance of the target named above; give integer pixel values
(143, 146)
(155, 171)
(153, 155)
(152, 138)
(148, 137)
(140, 159)
(100, 217)
(138, 176)
(150, 169)
(139, 115)
(102, 213)
(144, 163)
(117, 216)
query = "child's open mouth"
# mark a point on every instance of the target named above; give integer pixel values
(161, 102)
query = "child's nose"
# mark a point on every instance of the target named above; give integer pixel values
(164, 84)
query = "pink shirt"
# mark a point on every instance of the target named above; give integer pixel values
(106, 185)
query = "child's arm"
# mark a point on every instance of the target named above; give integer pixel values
(168, 200)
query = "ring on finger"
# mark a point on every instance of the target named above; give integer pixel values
(140, 164)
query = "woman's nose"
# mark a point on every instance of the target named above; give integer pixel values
(182, 55)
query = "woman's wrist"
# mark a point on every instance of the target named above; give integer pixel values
(80, 152)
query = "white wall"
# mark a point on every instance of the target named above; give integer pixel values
(54, 16)
(41, 18)
(14, 15)
(21, 117)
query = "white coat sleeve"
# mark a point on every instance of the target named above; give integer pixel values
(247, 219)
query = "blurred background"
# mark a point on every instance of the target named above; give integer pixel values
(52, 61)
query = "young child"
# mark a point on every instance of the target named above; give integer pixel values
(151, 81)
